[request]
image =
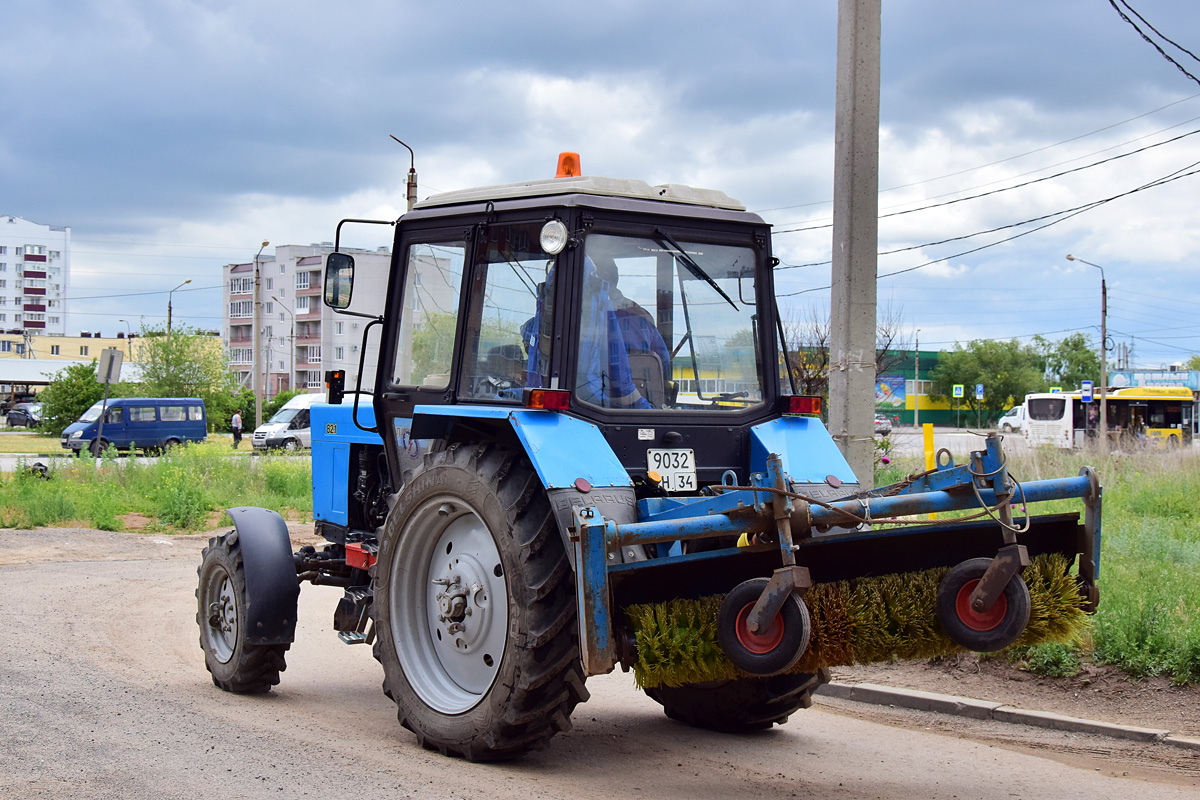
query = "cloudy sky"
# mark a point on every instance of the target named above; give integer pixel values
(174, 136)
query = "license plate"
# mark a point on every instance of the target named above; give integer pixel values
(677, 468)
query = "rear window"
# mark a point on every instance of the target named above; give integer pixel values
(1047, 408)
(195, 413)
(141, 413)
(173, 413)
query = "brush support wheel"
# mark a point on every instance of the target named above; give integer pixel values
(768, 652)
(984, 631)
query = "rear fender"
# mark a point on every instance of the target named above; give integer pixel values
(272, 588)
(573, 460)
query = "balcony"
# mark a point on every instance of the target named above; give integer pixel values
(31, 258)
(29, 323)
(34, 307)
(34, 273)
(30, 290)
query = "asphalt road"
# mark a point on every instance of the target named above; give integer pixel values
(104, 694)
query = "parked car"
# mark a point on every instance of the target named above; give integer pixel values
(1013, 420)
(147, 423)
(289, 428)
(883, 425)
(28, 415)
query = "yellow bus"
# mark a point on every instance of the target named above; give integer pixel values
(1159, 415)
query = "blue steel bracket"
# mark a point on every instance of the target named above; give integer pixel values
(591, 581)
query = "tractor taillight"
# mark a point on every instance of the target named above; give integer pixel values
(802, 404)
(569, 166)
(547, 399)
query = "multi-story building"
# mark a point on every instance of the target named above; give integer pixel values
(301, 337)
(35, 270)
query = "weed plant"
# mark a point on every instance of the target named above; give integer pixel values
(181, 491)
(1148, 623)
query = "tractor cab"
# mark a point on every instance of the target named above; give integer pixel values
(646, 311)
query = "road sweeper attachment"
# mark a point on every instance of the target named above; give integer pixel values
(583, 449)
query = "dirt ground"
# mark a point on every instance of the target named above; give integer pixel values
(1099, 692)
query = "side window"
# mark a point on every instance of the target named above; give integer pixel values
(173, 414)
(425, 346)
(195, 413)
(114, 415)
(510, 304)
(141, 413)
(301, 420)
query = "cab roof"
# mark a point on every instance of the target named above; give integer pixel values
(587, 185)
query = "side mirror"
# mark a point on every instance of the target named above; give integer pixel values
(339, 280)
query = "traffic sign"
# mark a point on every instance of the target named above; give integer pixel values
(958, 390)
(1055, 390)
(1086, 386)
(979, 391)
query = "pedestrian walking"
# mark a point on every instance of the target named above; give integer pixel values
(236, 424)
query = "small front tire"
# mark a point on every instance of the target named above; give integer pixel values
(740, 706)
(236, 664)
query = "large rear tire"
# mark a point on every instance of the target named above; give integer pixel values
(740, 706)
(236, 664)
(474, 607)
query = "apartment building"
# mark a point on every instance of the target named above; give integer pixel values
(301, 337)
(35, 270)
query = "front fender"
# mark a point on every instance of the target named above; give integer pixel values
(272, 588)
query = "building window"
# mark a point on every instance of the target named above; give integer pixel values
(281, 316)
(241, 309)
(241, 355)
(55, 254)
(282, 268)
(339, 327)
(3, 267)
(35, 317)
(339, 353)
(270, 284)
(241, 285)
(269, 308)
(3, 250)
(283, 291)
(314, 354)
(302, 305)
(53, 349)
(6, 346)
(83, 349)
(53, 320)
(302, 279)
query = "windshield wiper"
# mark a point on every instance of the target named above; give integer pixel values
(693, 267)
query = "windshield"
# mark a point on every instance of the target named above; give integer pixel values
(284, 415)
(668, 324)
(92, 414)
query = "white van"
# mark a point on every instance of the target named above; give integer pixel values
(289, 428)
(1014, 420)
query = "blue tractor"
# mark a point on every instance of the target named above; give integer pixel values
(583, 404)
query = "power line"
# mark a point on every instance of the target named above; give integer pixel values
(1008, 188)
(1150, 41)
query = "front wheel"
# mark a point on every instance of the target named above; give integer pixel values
(236, 664)
(291, 445)
(1006, 428)
(474, 607)
(739, 706)
(984, 631)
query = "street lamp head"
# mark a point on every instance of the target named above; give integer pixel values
(1070, 257)
(265, 243)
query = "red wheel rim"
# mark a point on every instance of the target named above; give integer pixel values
(975, 620)
(758, 643)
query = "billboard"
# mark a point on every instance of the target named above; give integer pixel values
(889, 391)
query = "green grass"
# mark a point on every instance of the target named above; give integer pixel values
(180, 492)
(1148, 623)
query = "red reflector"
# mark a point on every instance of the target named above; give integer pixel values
(547, 399)
(800, 404)
(360, 556)
(568, 166)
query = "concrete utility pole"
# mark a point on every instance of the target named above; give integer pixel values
(855, 235)
(258, 354)
(1103, 352)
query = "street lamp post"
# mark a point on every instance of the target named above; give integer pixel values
(258, 354)
(129, 334)
(1103, 351)
(173, 291)
(291, 345)
(917, 380)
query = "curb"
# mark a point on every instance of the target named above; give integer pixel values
(999, 712)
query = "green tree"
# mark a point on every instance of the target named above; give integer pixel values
(72, 391)
(1007, 370)
(1193, 363)
(1069, 361)
(182, 363)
